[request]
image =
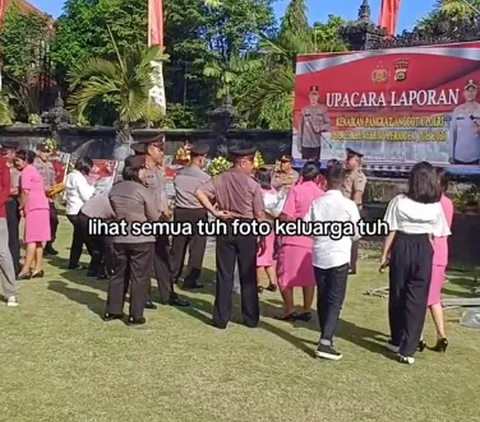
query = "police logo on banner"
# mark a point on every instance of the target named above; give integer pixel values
(401, 68)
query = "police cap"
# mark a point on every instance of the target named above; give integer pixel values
(242, 152)
(351, 152)
(158, 140)
(313, 89)
(470, 84)
(286, 159)
(9, 145)
(135, 161)
(138, 148)
(200, 149)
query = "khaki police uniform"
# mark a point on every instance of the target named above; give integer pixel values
(355, 182)
(240, 195)
(464, 140)
(133, 255)
(161, 262)
(285, 180)
(314, 122)
(47, 171)
(189, 210)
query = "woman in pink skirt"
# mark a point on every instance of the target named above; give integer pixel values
(294, 265)
(439, 266)
(35, 208)
(265, 262)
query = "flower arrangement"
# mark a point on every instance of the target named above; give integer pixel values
(52, 144)
(468, 200)
(218, 165)
(182, 155)
(258, 160)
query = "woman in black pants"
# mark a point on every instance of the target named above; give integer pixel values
(414, 219)
(77, 191)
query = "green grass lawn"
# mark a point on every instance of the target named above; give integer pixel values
(61, 362)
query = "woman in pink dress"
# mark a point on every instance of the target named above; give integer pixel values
(35, 209)
(439, 266)
(294, 265)
(265, 262)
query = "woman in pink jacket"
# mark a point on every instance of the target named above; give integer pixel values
(439, 266)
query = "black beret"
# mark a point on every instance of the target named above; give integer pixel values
(242, 152)
(200, 149)
(135, 161)
(350, 151)
(9, 145)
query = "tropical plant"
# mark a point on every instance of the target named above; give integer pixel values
(123, 84)
(226, 72)
(6, 112)
(458, 8)
(271, 100)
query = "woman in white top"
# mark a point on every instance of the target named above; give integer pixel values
(414, 219)
(77, 192)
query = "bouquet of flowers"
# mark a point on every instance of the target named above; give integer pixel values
(218, 165)
(258, 160)
(274, 202)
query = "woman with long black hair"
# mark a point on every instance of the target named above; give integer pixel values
(77, 192)
(414, 219)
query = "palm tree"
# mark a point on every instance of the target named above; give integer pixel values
(458, 8)
(225, 72)
(124, 82)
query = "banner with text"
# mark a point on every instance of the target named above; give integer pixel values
(399, 106)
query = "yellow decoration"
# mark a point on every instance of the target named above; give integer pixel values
(55, 190)
(219, 165)
(183, 153)
(258, 160)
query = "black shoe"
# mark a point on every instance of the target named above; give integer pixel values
(289, 318)
(406, 360)
(272, 288)
(422, 345)
(92, 274)
(112, 317)
(441, 346)
(260, 289)
(327, 352)
(40, 274)
(103, 277)
(136, 321)
(305, 316)
(192, 286)
(49, 250)
(150, 305)
(24, 277)
(176, 301)
(352, 271)
(77, 268)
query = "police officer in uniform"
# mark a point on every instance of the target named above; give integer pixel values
(45, 167)
(314, 121)
(237, 196)
(464, 141)
(153, 150)
(286, 177)
(353, 188)
(133, 255)
(11, 205)
(188, 209)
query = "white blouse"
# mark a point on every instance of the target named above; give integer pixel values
(412, 217)
(77, 192)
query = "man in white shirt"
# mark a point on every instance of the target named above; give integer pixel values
(331, 257)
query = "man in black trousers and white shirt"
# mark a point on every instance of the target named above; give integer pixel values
(331, 258)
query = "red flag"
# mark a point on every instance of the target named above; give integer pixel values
(155, 23)
(388, 15)
(2, 6)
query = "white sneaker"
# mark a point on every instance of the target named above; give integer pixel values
(12, 301)
(408, 360)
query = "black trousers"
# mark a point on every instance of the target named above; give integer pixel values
(94, 245)
(77, 242)
(229, 250)
(410, 272)
(162, 270)
(354, 256)
(311, 153)
(132, 265)
(13, 223)
(108, 258)
(196, 246)
(53, 222)
(331, 290)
